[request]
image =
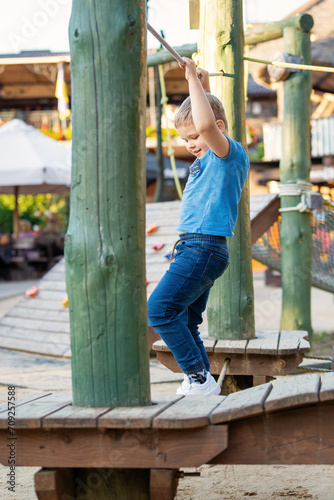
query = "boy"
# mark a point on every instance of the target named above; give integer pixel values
(208, 214)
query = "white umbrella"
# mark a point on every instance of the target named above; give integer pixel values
(31, 163)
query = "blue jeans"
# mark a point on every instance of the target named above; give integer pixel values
(177, 303)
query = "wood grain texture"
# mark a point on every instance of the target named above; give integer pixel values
(209, 344)
(295, 165)
(302, 435)
(29, 416)
(153, 448)
(73, 417)
(265, 218)
(54, 484)
(327, 387)
(251, 364)
(241, 404)
(231, 304)
(105, 241)
(291, 342)
(138, 417)
(21, 344)
(272, 31)
(41, 314)
(263, 343)
(188, 413)
(194, 11)
(294, 333)
(230, 346)
(22, 401)
(163, 484)
(294, 391)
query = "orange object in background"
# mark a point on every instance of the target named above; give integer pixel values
(32, 291)
(151, 228)
(258, 267)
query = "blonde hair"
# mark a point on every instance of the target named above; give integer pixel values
(184, 115)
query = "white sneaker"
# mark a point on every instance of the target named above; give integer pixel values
(184, 387)
(209, 388)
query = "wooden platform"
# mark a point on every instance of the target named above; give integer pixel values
(41, 324)
(289, 422)
(269, 354)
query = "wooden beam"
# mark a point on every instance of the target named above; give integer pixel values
(122, 449)
(272, 31)
(163, 56)
(163, 484)
(10, 61)
(303, 435)
(194, 10)
(250, 364)
(54, 484)
(265, 219)
(29, 91)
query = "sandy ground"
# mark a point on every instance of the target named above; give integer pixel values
(39, 374)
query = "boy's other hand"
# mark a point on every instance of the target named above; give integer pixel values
(196, 72)
(203, 76)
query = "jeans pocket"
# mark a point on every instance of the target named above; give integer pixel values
(214, 268)
(192, 247)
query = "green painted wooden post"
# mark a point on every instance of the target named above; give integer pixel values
(105, 243)
(296, 236)
(221, 44)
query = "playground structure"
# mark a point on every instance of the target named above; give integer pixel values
(288, 423)
(110, 422)
(267, 249)
(40, 324)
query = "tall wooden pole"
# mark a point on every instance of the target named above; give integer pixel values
(16, 220)
(295, 235)
(105, 243)
(221, 45)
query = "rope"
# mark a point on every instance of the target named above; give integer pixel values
(170, 151)
(291, 65)
(320, 358)
(223, 372)
(298, 188)
(294, 188)
(173, 52)
(173, 251)
(312, 370)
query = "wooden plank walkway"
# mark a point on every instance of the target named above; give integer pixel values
(40, 324)
(269, 354)
(288, 422)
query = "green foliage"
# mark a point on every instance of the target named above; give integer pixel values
(6, 217)
(256, 152)
(37, 209)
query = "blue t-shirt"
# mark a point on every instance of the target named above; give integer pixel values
(212, 193)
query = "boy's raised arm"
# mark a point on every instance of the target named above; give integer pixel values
(211, 131)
